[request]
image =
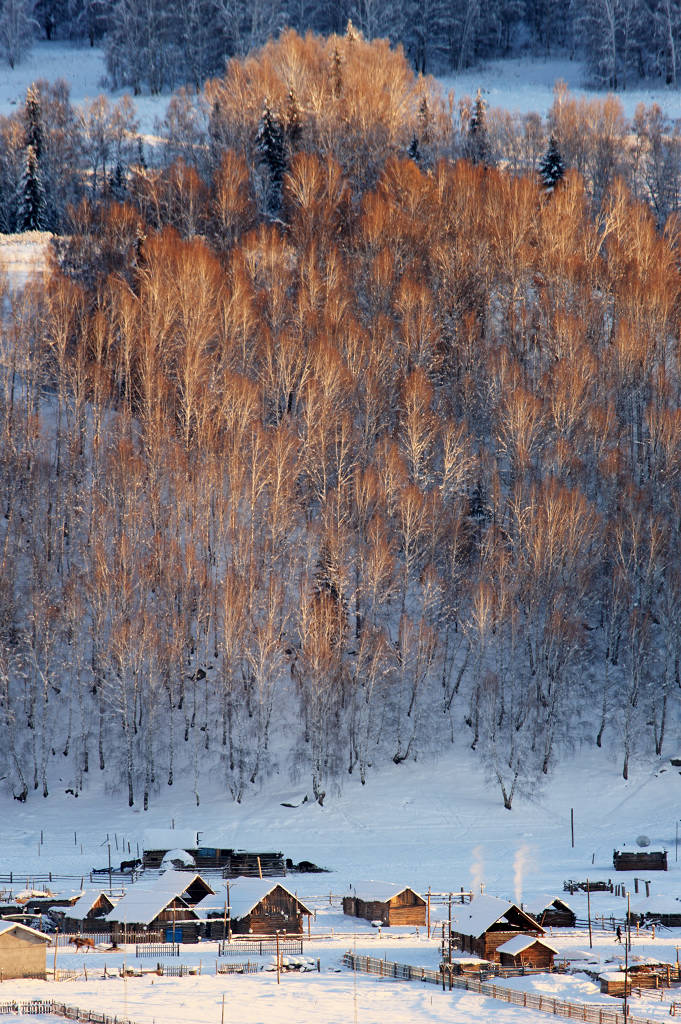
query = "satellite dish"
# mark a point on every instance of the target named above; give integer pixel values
(642, 841)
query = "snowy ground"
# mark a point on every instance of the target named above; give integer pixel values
(23, 255)
(524, 86)
(83, 67)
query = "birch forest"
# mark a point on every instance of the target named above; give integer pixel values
(325, 443)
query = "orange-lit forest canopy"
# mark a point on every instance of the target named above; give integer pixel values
(396, 468)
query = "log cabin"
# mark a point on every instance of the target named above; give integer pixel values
(390, 904)
(639, 860)
(554, 913)
(252, 906)
(166, 904)
(527, 951)
(487, 922)
(209, 849)
(88, 913)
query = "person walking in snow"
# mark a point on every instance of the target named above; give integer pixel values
(619, 934)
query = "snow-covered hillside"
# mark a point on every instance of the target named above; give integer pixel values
(433, 823)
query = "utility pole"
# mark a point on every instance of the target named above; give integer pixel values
(626, 962)
(108, 846)
(588, 906)
(449, 956)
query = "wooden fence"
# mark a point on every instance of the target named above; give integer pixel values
(124, 936)
(590, 1012)
(157, 949)
(238, 968)
(44, 1007)
(262, 946)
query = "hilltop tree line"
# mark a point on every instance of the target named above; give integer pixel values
(159, 45)
(316, 455)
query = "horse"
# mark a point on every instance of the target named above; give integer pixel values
(80, 941)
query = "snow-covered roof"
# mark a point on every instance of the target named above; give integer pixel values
(169, 839)
(8, 926)
(543, 902)
(82, 907)
(658, 904)
(520, 942)
(145, 901)
(179, 856)
(379, 892)
(242, 895)
(482, 912)
(33, 894)
(612, 976)
(215, 839)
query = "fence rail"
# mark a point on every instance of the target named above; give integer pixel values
(589, 1012)
(238, 968)
(124, 936)
(45, 1007)
(157, 949)
(261, 946)
(177, 970)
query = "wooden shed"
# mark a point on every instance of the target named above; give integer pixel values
(23, 951)
(487, 922)
(527, 951)
(658, 909)
(390, 904)
(612, 983)
(209, 849)
(252, 906)
(166, 904)
(554, 912)
(87, 915)
(639, 860)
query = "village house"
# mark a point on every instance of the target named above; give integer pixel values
(527, 951)
(487, 922)
(88, 913)
(251, 906)
(554, 912)
(23, 951)
(385, 902)
(165, 904)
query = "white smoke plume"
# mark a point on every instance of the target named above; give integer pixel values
(522, 862)
(477, 870)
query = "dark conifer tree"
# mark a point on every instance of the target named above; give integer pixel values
(477, 142)
(271, 152)
(551, 168)
(35, 126)
(31, 205)
(294, 127)
(413, 152)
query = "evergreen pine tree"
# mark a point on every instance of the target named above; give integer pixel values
(413, 152)
(477, 142)
(424, 119)
(117, 183)
(271, 156)
(294, 128)
(31, 205)
(551, 168)
(35, 127)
